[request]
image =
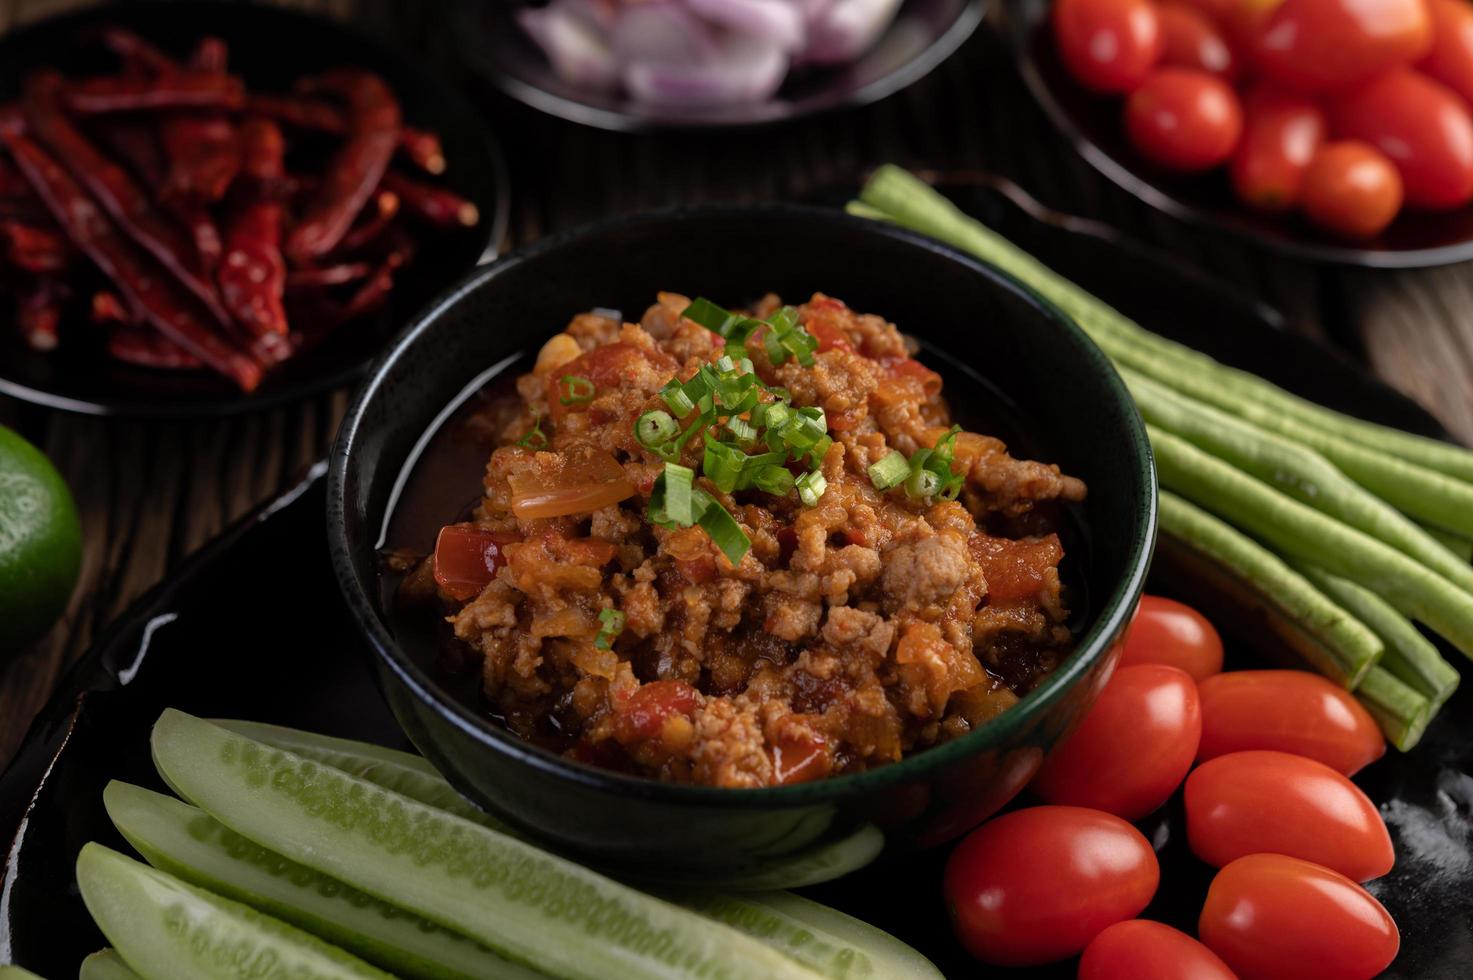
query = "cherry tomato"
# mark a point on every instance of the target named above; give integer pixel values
(1133, 748)
(1036, 885)
(1189, 39)
(1272, 917)
(1352, 189)
(1285, 804)
(1422, 126)
(467, 558)
(1322, 45)
(1220, 12)
(1109, 45)
(1280, 138)
(1165, 631)
(1450, 60)
(1144, 950)
(1183, 119)
(1290, 711)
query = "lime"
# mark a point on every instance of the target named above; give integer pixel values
(40, 543)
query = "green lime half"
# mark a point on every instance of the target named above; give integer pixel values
(40, 544)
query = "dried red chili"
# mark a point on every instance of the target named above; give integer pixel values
(420, 146)
(39, 251)
(114, 189)
(202, 149)
(356, 169)
(252, 274)
(39, 314)
(156, 298)
(144, 348)
(438, 206)
(177, 90)
(108, 310)
(318, 277)
(365, 233)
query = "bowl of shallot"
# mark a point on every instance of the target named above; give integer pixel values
(652, 64)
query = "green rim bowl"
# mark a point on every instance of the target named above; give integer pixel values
(1000, 348)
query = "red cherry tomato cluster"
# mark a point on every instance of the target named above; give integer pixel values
(1347, 110)
(1270, 804)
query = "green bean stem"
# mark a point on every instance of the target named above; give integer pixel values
(1401, 712)
(1331, 640)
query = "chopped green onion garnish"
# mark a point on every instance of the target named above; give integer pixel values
(820, 449)
(922, 484)
(674, 394)
(655, 429)
(724, 530)
(889, 472)
(707, 314)
(811, 486)
(671, 497)
(743, 431)
(576, 389)
(534, 438)
(774, 479)
(613, 625)
(722, 464)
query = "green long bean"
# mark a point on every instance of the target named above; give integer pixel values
(1299, 531)
(1300, 472)
(1327, 637)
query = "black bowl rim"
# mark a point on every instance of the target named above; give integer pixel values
(1114, 611)
(971, 14)
(1163, 200)
(234, 403)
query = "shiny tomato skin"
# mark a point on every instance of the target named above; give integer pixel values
(1107, 45)
(1422, 126)
(1450, 59)
(1326, 45)
(1036, 885)
(1184, 120)
(1249, 802)
(1352, 189)
(1189, 39)
(1272, 917)
(1132, 749)
(1281, 134)
(1291, 711)
(1140, 949)
(1165, 631)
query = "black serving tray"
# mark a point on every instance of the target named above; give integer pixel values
(252, 626)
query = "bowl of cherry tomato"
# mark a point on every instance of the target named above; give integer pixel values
(1330, 130)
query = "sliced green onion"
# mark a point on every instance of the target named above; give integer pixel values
(724, 531)
(722, 464)
(674, 394)
(774, 479)
(889, 472)
(752, 465)
(708, 315)
(781, 394)
(671, 498)
(803, 430)
(922, 484)
(534, 438)
(576, 389)
(743, 431)
(655, 429)
(811, 486)
(613, 625)
(820, 449)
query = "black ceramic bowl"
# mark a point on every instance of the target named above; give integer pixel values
(270, 47)
(1004, 354)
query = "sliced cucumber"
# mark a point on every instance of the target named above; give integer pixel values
(530, 905)
(9, 971)
(401, 772)
(190, 844)
(106, 964)
(832, 943)
(166, 929)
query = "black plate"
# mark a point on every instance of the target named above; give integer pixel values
(924, 34)
(270, 47)
(171, 649)
(1092, 122)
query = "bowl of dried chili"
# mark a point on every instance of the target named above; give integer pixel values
(210, 209)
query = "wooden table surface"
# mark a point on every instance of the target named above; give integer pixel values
(150, 493)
